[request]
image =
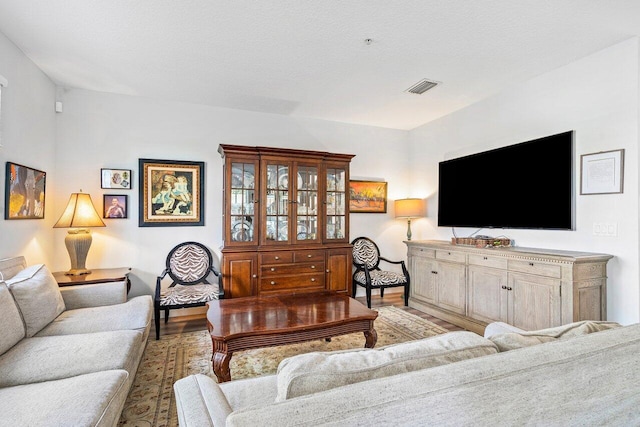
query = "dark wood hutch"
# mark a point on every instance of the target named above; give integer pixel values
(285, 220)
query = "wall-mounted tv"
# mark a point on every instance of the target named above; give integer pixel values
(527, 185)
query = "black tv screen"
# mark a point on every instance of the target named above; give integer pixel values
(526, 185)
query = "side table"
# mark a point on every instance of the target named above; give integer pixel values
(97, 275)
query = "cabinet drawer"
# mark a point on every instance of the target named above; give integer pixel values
(488, 261)
(276, 270)
(307, 256)
(422, 252)
(276, 257)
(451, 256)
(534, 267)
(303, 282)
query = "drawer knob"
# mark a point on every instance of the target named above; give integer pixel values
(276, 257)
(313, 266)
(434, 272)
(531, 264)
(485, 258)
(273, 283)
(328, 270)
(254, 276)
(308, 255)
(313, 279)
(273, 269)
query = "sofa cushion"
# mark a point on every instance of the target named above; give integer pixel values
(86, 400)
(135, 314)
(200, 402)
(12, 327)
(9, 267)
(313, 372)
(41, 359)
(38, 296)
(513, 340)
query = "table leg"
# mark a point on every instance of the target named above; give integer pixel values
(221, 358)
(371, 337)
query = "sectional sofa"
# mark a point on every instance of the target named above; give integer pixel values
(68, 356)
(557, 377)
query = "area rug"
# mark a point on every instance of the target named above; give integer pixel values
(151, 402)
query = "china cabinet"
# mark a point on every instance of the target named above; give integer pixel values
(285, 220)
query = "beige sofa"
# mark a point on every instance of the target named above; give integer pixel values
(560, 376)
(68, 356)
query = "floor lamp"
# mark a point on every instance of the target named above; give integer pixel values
(409, 208)
(79, 215)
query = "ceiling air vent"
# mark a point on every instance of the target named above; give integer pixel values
(422, 86)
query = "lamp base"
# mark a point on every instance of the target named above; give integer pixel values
(409, 229)
(77, 272)
(78, 242)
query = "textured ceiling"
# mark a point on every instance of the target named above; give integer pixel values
(308, 58)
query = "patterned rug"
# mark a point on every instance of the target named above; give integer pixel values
(151, 402)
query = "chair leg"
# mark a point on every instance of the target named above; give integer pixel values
(381, 292)
(166, 315)
(406, 296)
(354, 289)
(368, 289)
(156, 318)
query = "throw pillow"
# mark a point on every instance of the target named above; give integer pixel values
(12, 326)
(313, 372)
(38, 296)
(513, 340)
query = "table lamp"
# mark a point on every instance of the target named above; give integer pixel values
(78, 216)
(409, 208)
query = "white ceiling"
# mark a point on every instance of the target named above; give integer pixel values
(308, 58)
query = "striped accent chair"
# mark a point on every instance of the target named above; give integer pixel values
(366, 259)
(189, 266)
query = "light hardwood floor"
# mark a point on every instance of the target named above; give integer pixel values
(180, 324)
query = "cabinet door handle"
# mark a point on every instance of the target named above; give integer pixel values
(531, 264)
(254, 276)
(509, 288)
(504, 287)
(434, 272)
(328, 271)
(485, 258)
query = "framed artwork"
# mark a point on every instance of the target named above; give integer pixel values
(602, 173)
(171, 193)
(368, 196)
(24, 193)
(114, 206)
(115, 178)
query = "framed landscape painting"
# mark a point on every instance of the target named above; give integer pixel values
(171, 193)
(368, 196)
(24, 193)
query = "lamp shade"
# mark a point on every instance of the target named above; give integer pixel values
(79, 213)
(409, 208)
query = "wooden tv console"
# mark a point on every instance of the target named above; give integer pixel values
(526, 287)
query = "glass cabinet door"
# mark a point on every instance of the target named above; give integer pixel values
(242, 202)
(277, 202)
(306, 203)
(336, 206)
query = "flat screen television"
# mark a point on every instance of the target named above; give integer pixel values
(529, 185)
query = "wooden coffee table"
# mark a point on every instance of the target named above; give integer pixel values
(252, 322)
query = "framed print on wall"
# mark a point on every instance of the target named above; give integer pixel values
(115, 178)
(368, 196)
(602, 173)
(171, 193)
(24, 193)
(114, 206)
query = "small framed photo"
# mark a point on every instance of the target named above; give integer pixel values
(24, 192)
(368, 196)
(114, 206)
(115, 178)
(602, 173)
(171, 193)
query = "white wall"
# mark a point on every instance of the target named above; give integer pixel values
(98, 130)
(28, 138)
(597, 97)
